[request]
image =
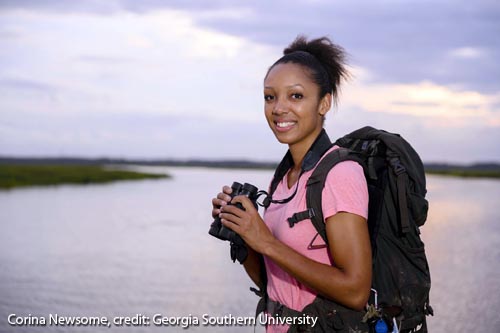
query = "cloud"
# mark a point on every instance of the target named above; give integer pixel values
(134, 135)
(149, 85)
(106, 60)
(442, 105)
(467, 53)
(183, 79)
(55, 6)
(156, 62)
(26, 85)
(398, 41)
(434, 139)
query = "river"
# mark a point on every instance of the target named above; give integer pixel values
(140, 248)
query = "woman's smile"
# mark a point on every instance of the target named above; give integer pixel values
(284, 126)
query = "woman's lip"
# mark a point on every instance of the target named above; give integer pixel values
(283, 126)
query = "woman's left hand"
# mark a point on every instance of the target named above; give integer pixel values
(247, 223)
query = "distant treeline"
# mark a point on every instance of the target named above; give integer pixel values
(475, 166)
(236, 164)
(477, 170)
(472, 170)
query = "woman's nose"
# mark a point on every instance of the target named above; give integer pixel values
(279, 107)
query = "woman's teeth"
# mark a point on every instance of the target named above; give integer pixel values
(285, 124)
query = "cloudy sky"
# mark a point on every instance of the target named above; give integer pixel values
(183, 79)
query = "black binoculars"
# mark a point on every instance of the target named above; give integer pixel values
(220, 231)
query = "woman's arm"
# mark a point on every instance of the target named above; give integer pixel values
(254, 268)
(347, 282)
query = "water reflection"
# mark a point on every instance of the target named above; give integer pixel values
(142, 248)
(462, 238)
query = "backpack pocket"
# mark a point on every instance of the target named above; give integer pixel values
(332, 317)
(418, 207)
(401, 275)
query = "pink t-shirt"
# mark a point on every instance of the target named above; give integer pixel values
(345, 191)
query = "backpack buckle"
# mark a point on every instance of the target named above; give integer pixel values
(275, 308)
(396, 165)
(297, 217)
(278, 311)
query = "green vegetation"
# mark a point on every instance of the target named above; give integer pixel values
(466, 173)
(477, 170)
(12, 175)
(52, 171)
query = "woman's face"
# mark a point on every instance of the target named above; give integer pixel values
(293, 108)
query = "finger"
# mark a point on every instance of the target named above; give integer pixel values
(226, 189)
(230, 219)
(244, 201)
(216, 205)
(215, 212)
(231, 225)
(216, 202)
(224, 197)
(233, 210)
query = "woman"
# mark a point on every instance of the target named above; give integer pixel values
(298, 92)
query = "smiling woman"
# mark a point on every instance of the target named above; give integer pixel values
(284, 258)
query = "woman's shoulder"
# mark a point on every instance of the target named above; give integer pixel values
(347, 168)
(345, 189)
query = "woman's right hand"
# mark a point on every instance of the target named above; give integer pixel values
(222, 199)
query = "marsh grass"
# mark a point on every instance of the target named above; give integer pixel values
(38, 175)
(466, 173)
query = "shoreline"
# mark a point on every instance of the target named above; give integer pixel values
(23, 175)
(483, 174)
(24, 172)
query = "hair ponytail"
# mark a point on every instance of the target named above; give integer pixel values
(325, 60)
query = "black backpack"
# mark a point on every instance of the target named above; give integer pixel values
(397, 208)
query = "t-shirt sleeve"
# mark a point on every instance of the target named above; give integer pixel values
(345, 190)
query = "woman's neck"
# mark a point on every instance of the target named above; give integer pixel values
(297, 156)
(300, 149)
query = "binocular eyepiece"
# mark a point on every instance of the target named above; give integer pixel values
(220, 231)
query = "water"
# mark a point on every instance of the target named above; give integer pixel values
(142, 248)
(462, 237)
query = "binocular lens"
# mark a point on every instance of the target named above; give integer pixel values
(236, 187)
(250, 189)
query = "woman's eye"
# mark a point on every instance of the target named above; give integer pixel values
(297, 96)
(268, 98)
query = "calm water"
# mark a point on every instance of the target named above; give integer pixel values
(142, 248)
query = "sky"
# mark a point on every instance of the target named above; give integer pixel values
(183, 79)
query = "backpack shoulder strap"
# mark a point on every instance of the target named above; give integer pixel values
(313, 155)
(316, 183)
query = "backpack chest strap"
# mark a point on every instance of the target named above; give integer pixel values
(315, 185)
(300, 216)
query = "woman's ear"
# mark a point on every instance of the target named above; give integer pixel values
(325, 104)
